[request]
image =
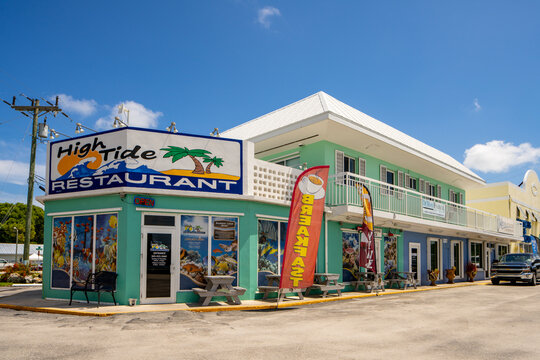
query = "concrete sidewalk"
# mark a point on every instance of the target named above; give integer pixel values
(29, 299)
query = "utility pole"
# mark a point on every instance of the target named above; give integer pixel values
(36, 111)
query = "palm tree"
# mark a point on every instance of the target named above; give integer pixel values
(212, 161)
(178, 153)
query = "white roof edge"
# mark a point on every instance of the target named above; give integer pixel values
(353, 118)
(271, 112)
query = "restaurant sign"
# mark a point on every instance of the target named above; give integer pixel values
(142, 158)
(430, 207)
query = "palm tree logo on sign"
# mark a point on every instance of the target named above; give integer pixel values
(196, 155)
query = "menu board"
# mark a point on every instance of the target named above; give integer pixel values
(225, 246)
(159, 254)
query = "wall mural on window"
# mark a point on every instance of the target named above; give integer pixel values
(61, 245)
(351, 256)
(106, 242)
(271, 244)
(225, 246)
(82, 247)
(193, 251)
(390, 254)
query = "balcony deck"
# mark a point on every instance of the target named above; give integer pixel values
(409, 207)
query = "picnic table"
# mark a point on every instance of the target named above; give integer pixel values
(326, 282)
(220, 285)
(273, 286)
(370, 280)
(405, 278)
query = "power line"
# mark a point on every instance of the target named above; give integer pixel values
(35, 110)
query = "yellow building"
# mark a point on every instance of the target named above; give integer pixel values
(512, 201)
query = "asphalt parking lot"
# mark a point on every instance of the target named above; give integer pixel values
(478, 322)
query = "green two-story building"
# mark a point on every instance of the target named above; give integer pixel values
(164, 210)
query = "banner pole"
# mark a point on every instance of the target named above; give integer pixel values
(278, 297)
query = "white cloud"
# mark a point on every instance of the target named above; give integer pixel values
(139, 116)
(82, 107)
(16, 172)
(497, 156)
(477, 106)
(265, 14)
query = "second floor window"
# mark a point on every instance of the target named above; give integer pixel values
(349, 164)
(293, 162)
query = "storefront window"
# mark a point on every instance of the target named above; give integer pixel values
(61, 259)
(106, 242)
(193, 251)
(202, 255)
(456, 257)
(225, 246)
(271, 244)
(476, 254)
(390, 254)
(82, 247)
(75, 241)
(351, 256)
(434, 254)
(502, 250)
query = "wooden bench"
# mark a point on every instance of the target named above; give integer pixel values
(267, 289)
(219, 286)
(371, 281)
(273, 286)
(231, 295)
(326, 282)
(369, 285)
(402, 278)
(326, 288)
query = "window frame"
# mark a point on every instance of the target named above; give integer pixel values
(72, 237)
(439, 255)
(474, 244)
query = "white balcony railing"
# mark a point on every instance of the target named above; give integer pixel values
(342, 189)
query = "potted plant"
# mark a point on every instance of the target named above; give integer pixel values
(451, 274)
(433, 275)
(471, 271)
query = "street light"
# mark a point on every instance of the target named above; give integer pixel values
(16, 244)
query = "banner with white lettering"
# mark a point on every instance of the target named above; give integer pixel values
(304, 229)
(142, 158)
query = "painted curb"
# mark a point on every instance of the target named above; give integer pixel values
(269, 306)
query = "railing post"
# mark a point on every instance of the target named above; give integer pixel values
(346, 178)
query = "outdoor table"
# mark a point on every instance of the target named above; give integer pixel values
(326, 282)
(273, 286)
(220, 285)
(370, 280)
(402, 277)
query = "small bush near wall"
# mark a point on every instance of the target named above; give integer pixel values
(20, 274)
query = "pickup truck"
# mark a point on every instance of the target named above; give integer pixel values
(4, 263)
(523, 267)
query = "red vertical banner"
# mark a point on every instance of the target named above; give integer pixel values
(368, 258)
(304, 228)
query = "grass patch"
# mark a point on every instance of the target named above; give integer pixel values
(5, 284)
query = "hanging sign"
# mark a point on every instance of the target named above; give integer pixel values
(430, 207)
(141, 158)
(304, 228)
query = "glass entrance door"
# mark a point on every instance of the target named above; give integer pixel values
(414, 261)
(158, 264)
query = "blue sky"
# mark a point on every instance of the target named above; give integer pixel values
(461, 76)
